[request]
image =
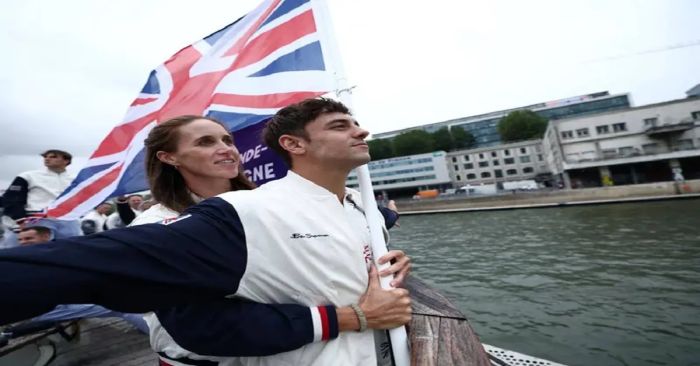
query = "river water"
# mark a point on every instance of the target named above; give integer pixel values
(595, 285)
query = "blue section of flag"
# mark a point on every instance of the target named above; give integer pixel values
(285, 8)
(237, 121)
(152, 86)
(134, 178)
(305, 58)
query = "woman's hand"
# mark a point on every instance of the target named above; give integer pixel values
(400, 266)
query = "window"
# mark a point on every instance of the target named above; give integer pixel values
(525, 159)
(468, 166)
(512, 171)
(627, 151)
(523, 150)
(486, 175)
(498, 173)
(652, 148)
(650, 122)
(506, 152)
(458, 177)
(582, 132)
(456, 167)
(602, 129)
(508, 161)
(471, 176)
(695, 115)
(483, 164)
(619, 127)
(495, 163)
(567, 134)
(540, 157)
(454, 159)
(493, 154)
(683, 144)
(481, 155)
(466, 157)
(528, 169)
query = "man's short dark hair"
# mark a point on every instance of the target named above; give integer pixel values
(41, 230)
(66, 155)
(292, 119)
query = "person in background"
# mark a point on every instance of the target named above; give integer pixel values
(31, 192)
(94, 221)
(127, 209)
(34, 235)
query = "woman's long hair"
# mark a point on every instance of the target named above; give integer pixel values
(167, 184)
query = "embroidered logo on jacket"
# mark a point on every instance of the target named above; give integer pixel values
(173, 220)
(306, 236)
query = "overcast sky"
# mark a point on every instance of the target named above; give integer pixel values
(70, 68)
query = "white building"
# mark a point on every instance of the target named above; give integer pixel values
(516, 161)
(407, 174)
(651, 143)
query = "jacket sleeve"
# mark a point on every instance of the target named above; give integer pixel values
(126, 214)
(390, 216)
(15, 198)
(199, 257)
(236, 327)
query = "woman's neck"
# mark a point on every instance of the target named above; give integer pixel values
(208, 187)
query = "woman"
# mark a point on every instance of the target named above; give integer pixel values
(188, 159)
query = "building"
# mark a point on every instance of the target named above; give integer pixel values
(651, 143)
(484, 126)
(522, 160)
(405, 175)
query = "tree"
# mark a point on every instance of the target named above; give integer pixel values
(462, 138)
(521, 125)
(442, 140)
(413, 142)
(381, 149)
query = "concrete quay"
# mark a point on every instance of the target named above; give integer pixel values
(553, 198)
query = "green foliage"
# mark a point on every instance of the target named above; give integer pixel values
(419, 142)
(461, 138)
(413, 142)
(442, 139)
(521, 125)
(381, 149)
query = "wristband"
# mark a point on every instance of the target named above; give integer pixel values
(360, 316)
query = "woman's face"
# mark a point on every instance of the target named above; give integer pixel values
(204, 150)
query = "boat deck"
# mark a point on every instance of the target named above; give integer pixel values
(439, 335)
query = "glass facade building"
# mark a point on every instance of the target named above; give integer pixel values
(484, 127)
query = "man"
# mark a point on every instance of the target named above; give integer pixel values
(94, 221)
(302, 239)
(31, 192)
(127, 209)
(34, 235)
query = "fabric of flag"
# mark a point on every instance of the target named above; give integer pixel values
(241, 75)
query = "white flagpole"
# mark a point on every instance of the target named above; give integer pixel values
(333, 62)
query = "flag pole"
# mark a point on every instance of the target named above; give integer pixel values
(333, 62)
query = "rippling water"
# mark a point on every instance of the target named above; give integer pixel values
(594, 285)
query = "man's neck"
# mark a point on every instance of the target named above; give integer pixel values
(330, 179)
(57, 170)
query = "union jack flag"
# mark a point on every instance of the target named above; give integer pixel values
(274, 56)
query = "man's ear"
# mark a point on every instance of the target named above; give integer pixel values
(295, 145)
(167, 158)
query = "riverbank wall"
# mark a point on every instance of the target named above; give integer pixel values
(552, 198)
